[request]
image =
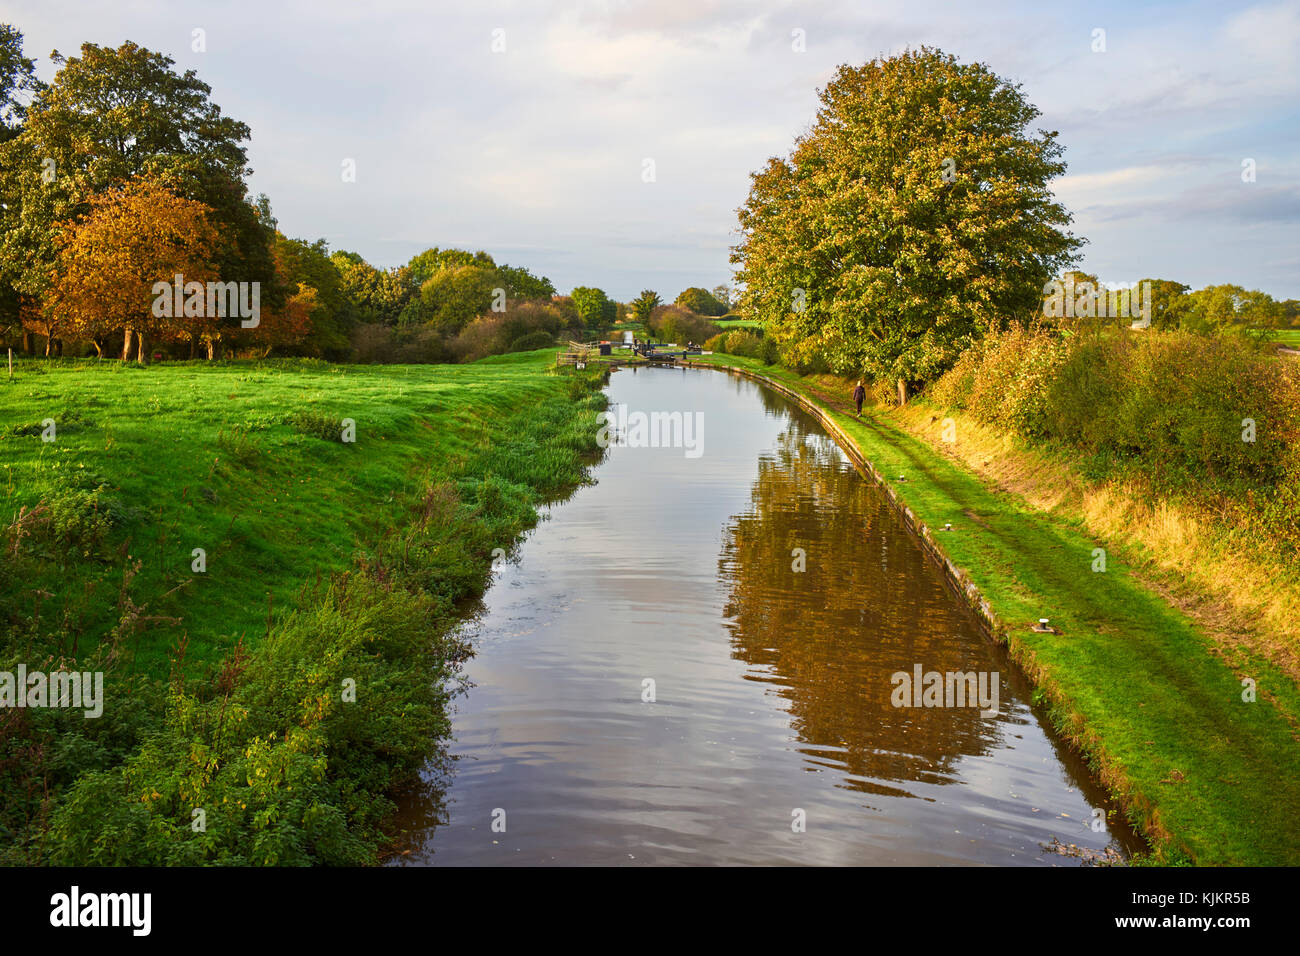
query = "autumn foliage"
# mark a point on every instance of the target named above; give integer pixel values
(133, 237)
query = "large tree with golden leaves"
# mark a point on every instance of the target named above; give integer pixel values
(109, 262)
(914, 215)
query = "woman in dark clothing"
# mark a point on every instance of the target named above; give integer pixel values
(859, 394)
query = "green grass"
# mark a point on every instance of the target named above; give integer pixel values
(243, 460)
(1209, 779)
(294, 685)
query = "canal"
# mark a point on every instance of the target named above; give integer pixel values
(698, 659)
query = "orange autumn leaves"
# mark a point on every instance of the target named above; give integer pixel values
(132, 237)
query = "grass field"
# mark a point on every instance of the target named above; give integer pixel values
(1208, 778)
(242, 461)
(290, 683)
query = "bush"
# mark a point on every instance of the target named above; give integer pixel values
(745, 343)
(540, 339)
(671, 323)
(1174, 406)
(499, 332)
(317, 424)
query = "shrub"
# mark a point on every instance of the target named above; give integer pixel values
(317, 424)
(745, 343)
(671, 323)
(540, 339)
(498, 332)
(1177, 408)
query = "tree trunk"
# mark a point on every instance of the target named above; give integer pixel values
(902, 391)
(126, 345)
(142, 356)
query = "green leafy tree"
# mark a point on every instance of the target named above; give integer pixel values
(914, 215)
(359, 285)
(701, 302)
(522, 285)
(17, 81)
(307, 266)
(1169, 303)
(452, 297)
(1229, 308)
(644, 304)
(1290, 312)
(428, 263)
(596, 308)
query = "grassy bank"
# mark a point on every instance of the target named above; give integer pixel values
(279, 685)
(1132, 679)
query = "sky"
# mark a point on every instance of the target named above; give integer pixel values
(530, 129)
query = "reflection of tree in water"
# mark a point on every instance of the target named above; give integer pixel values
(867, 605)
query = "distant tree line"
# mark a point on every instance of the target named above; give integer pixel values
(121, 175)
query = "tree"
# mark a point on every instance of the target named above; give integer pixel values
(522, 285)
(1228, 308)
(288, 325)
(307, 265)
(644, 304)
(432, 261)
(701, 302)
(913, 216)
(1290, 312)
(596, 308)
(132, 238)
(111, 115)
(17, 81)
(452, 297)
(1169, 303)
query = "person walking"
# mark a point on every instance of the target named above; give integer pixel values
(859, 396)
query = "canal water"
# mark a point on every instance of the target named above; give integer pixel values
(694, 661)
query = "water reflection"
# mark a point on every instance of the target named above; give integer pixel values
(772, 685)
(866, 605)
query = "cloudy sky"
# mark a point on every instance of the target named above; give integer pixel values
(535, 150)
